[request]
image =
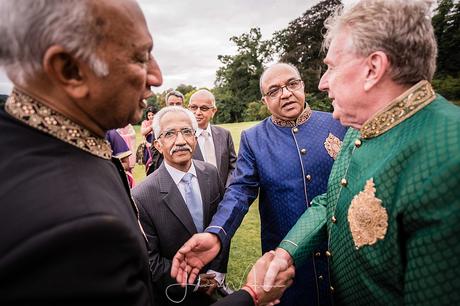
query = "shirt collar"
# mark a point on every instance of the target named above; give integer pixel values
(400, 109)
(200, 130)
(37, 115)
(176, 174)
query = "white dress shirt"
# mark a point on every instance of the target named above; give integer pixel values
(201, 141)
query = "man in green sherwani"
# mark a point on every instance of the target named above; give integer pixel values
(391, 213)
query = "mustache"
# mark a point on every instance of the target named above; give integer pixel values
(180, 148)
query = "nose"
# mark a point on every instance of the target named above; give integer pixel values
(180, 140)
(323, 83)
(154, 76)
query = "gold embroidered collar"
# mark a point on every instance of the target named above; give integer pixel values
(403, 107)
(37, 115)
(304, 116)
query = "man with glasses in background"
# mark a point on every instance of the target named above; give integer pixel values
(286, 159)
(215, 144)
(177, 201)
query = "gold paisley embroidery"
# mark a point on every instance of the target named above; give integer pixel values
(332, 145)
(403, 107)
(367, 217)
(37, 115)
(304, 116)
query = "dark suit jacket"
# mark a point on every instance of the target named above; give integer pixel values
(168, 225)
(69, 234)
(225, 153)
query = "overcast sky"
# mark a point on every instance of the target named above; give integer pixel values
(188, 35)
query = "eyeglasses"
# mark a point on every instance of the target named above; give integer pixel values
(292, 85)
(202, 108)
(172, 134)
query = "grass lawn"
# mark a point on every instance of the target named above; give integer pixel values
(245, 247)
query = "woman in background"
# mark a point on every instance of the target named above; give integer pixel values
(147, 133)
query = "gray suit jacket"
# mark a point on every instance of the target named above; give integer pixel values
(225, 153)
(168, 225)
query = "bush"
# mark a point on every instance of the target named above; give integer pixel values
(448, 87)
(255, 111)
(319, 101)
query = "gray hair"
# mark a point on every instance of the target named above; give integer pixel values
(174, 93)
(29, 28)
(268, 68)
(171, 109)
(203, 92)
(401, 29)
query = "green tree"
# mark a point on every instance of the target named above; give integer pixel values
(237, 81)
(300, 43)
(446, 24)
(185, 89)
(256, 110)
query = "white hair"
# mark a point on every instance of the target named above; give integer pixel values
(29, 28)
(171, 109)
(402, 29)
(203, 92)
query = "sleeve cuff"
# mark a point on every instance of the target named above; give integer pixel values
(289, 246)
(220, 232)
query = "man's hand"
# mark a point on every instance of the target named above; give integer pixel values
(256, 277)
(193, 256)
(281, 262)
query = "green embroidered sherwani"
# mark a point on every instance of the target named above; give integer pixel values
(391, 213)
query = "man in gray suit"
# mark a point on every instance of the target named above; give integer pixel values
(215, 144)
(177, 201)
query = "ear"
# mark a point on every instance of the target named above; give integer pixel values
(214, 111)
(377, 64)
(67, 71)
(158, 146)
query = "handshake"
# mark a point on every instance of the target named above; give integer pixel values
(266, 282)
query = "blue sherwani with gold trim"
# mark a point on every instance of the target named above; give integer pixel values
(288, 162)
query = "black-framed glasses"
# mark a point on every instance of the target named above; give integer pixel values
(202, 108)
(292, 85)
(172, 134)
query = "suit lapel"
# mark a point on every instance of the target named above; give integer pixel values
(197, 154)
(173, 199)
(217, 138)
(205, 188)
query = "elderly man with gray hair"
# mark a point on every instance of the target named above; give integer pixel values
(69, 232)
(176, 201)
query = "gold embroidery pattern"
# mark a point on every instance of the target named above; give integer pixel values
(367, 217)
(41, 117)
(332, 145)
(304, 116)
(403, 107)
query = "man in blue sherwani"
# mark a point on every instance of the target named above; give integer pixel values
(286, 158)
